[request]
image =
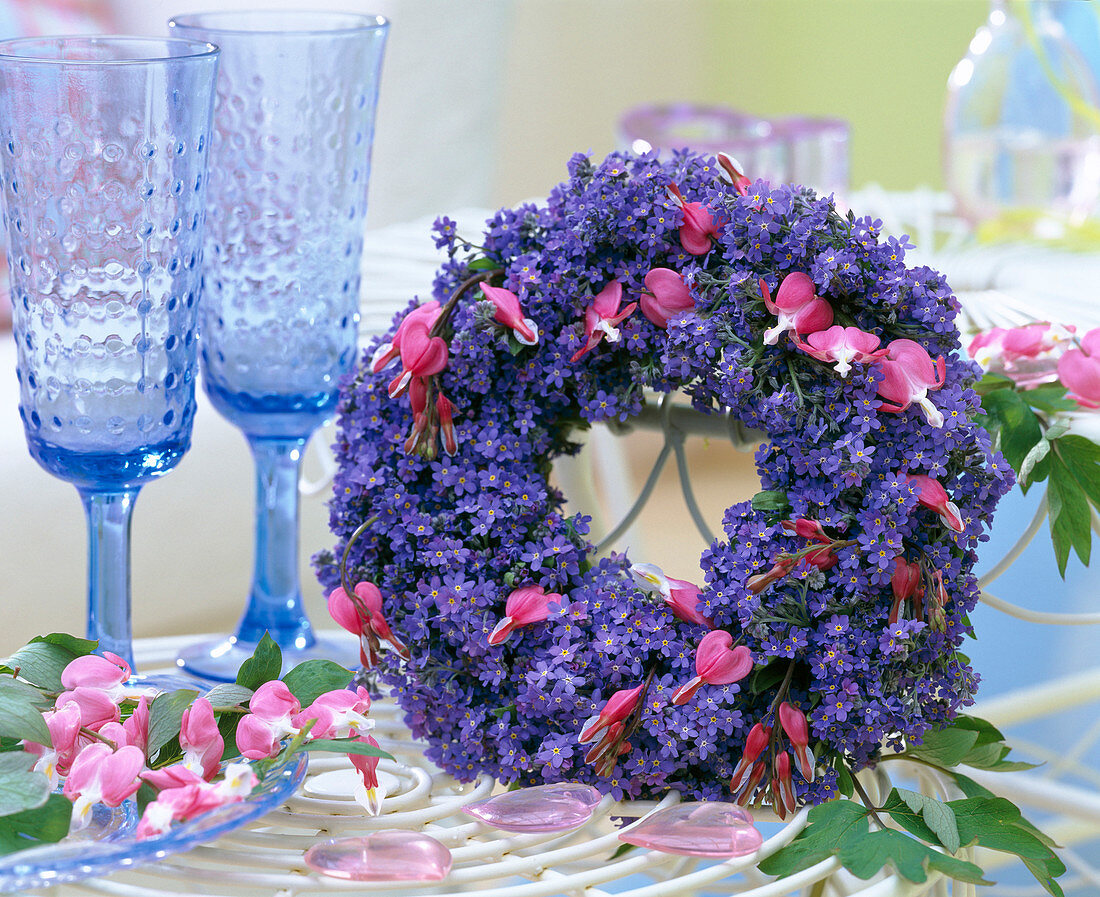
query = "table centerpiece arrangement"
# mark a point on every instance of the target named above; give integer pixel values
(822, 638)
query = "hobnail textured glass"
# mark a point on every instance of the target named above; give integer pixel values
(294, 123)
(103, 146)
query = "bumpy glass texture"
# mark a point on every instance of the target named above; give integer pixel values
(294, 120)
(103, 168)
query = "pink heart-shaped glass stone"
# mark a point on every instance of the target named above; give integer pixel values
(388, 855)
(542, 808)
(697, 829)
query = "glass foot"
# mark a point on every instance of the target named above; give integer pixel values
(219, 661)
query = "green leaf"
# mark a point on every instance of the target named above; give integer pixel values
(621, 850)
(770, 500)
(27, 692)
(227, 727)
(229, 694)
(1050, 397)
(1017, 424)
(482, 264)
(1038, 452)
(866, 855)
(946, 747)
(830, 826)
(47, 823)
(937, 816)
(1069, 516)
(985, 756)
(165, 714)
(990, 382)
(996, 823)
(1081, 457)
(265, 664)
(968, 786)
(1045, 876)
(41, 663)
(341, 746)
(20, 787)
(21, 718)
(312, 678)
(844, 779)
(78, 647)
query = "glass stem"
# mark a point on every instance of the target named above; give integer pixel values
(275, 603)
(108, 516)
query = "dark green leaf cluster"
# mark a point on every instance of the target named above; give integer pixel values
(1025, 428)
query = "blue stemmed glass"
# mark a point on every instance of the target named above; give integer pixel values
(294, 123)
(103, 146)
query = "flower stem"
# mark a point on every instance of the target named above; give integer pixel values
(866, 800)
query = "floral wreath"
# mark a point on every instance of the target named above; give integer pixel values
(828, 620)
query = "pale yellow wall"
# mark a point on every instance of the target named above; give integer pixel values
(574, 66)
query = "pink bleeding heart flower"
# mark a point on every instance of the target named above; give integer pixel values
(135, 730)
(510, 314)
(422, 355)
(699, 228)
(97, 707)
(1079, 371)
(681, 596)
(387, 353)
(806, 528)
(617, 708)
(783, 799)
(368, 793)
(175, 776)
(716, 663)
(66, 740)
(794, 724)
(187, 800)
(106, 671)
(362, 616)
(102, 775)
(445, 411)
(760, 581)
(338, 714)
(843, 345)
(1029, 355)
(931, 494)
(260, 732)
(755, 742)
(797, 307)
(668, 296)
(909, 374)
(526, 605)
(732, 168)
(602, 318)
(200, 739)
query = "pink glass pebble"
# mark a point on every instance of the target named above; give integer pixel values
(706, 829)
(388, 855)
(542, 808)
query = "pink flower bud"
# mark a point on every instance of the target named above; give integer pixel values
(618, 707)
(388, 352)
(445, 410)
(422, 355)
(603, 317)
(797, 306)
(733, 170)
(510, 315)
(758, 738)
(807, 529)
(526, 605)
(716, 663)
(668, 296)
(909, 374)
(794, 724)
(1079, 370)
(842, 345)
(931, 494)
(698, 229)
(906, 578)
(200, 739)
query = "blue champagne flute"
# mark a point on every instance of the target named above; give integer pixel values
(294, 124)
(103, 147)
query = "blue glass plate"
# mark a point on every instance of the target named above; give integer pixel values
(109, 843)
